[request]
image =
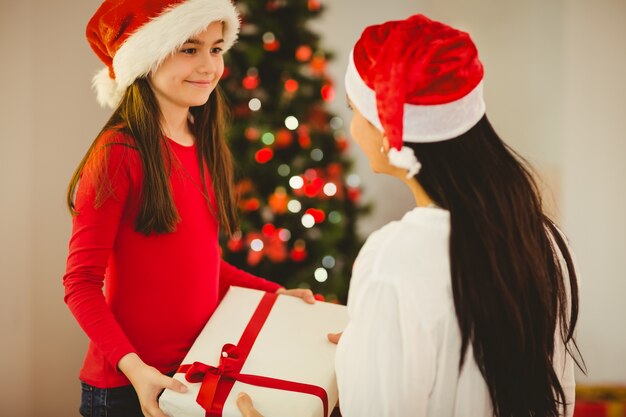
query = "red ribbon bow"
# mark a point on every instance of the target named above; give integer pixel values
(217, 382)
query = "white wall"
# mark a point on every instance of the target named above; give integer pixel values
(554, 88)
(16, 174)
(593, 151)
(48, 117)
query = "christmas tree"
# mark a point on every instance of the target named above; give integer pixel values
(298, 203)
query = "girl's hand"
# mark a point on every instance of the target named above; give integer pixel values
(334, 337)
(148, 383)
(244, 404)
(306, 295)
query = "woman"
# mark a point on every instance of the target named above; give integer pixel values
(467, 305)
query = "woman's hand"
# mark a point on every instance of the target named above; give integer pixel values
(334, 337)
(244, 404)
(148, 383)
(306, 295)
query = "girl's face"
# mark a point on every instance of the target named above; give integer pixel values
(371, 140)
(188, 76)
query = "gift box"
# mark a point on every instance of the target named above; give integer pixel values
(600, 401)
(273, 347)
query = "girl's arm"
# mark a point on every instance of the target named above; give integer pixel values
(93, 235)
(231, 275)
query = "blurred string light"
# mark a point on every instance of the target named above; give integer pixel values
(304, 53)
(296, 182)
(291, 85)
(330, 189)
(256, 245)
(336, 123)
(284, 235)
(317, 155)
(268, 138)
(353, 180)
(292, 123)
(251, 80)
(294, 206)
(264, 155)
(254, 104)
(308, 221)
(270, 43)
(284, 170)
(334, 217)
(328, 262)
(328, 92)
(321, 275)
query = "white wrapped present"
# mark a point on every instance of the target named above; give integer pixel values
(272, 347)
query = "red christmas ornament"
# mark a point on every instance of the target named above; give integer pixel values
(342, 144)
(318, 215)
(252, 133)
(291, 85)
(310, 174)
(242, 110)
(271, 46)
(284, 138)
(268, 230)
(354, 194)
(264, 155)
(318, 64)
(226, 73)
(298, 253)
(334, 169)
(304, 53)
(278, 201)
(328, 92)
(251, 204)
(304, 138)
(244, 186)
(235, 244)
(314, 187)
(318, 119)
(250, 82)
(314, 5)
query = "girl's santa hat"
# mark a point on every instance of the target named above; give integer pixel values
(133, 37)
(416, 80)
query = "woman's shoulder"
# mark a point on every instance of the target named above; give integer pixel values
(419, 224)
(414, 248)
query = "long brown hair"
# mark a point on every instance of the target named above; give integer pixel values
(138, 116)
(508, 285)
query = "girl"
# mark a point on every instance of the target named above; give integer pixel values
(148, 199)
(467, 305)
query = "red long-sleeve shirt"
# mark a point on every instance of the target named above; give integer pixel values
(159, 290)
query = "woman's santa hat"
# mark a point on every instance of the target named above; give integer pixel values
(133, 37)
(416, 80)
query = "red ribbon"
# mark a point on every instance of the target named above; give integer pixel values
(217, 382)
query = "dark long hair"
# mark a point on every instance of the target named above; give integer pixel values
(508, 285)
(138, 116)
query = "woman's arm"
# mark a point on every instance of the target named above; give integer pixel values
(385, 359)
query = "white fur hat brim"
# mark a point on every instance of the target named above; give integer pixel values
(153, 42)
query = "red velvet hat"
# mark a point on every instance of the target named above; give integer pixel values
(133, 37)
(417, 80)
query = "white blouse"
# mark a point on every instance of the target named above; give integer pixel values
(399, 354)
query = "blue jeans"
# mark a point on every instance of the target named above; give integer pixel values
(109, 402)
